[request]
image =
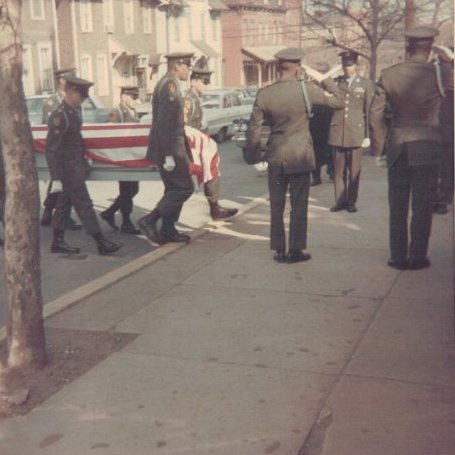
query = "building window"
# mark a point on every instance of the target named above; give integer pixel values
(86, 16)
(45, 66)
(214, 29)
(27, 71)
(37, 9)
(128, 14)
(147, 19)
(108, 15)
(102, 75)
(86, 67)
(202, 26)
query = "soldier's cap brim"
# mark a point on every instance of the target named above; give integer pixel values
(290, 54)
(65, 72)
(421, 33)
(180, 57)
(349, 58)
(129, 90)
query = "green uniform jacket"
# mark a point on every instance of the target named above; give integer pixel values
(282, 106)
(411, 90)
(167, 134)
(65, 149)
(121, 114)
(349, 126)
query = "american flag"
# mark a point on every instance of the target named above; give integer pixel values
(125, 144)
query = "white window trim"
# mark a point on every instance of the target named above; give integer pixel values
(147, 20)
(128, 10)
(28, 82)
(102, 75)
(87, 4)
(32, 11)
(89, 74)
(39, 46)
(108, 16)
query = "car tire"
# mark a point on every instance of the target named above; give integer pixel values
(221, 135)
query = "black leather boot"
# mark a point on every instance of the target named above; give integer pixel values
(148, 225)
(219, 213)
(128, 227)
(105, 246)
(60, 246)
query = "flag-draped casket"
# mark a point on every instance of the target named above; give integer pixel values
(124, 145)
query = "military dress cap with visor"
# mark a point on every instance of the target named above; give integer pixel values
(65, 72)
(420, 36)
(202, 74)
(180, 57)
(349, 58)
(77, 83)
(290, 54)
(130, 90)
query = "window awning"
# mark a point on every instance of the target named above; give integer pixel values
(206, 49)
(116, 49)
(262, 54)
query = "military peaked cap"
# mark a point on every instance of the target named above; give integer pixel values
(322, 67)
(79, 84)
(290, 54)
(349, 58)
(180, 57)
(201, 73)
(421, 33)
(131, 90)
(65, 72)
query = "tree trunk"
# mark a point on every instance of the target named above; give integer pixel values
(25, 329)
(410, 14)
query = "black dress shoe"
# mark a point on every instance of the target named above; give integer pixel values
(399, 265)
(150, 230)
(352, 208)
(279, 256)
(417, 264)
(128, 227)
(337, 207)
(105, 246)
(219, 213)
(110, 219)
(175, 236)
(60, 246)
(297, 256)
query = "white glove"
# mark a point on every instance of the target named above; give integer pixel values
(262, 166)
(169, 164)
(381, 161)
(56, 186)
(366, 143)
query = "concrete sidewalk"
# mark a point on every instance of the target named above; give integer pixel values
(239, 355)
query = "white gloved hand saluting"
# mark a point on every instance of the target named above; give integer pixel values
(381, 161)
(169, 163)
(366, 143)
(56, 186)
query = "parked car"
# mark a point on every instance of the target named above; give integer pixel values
(93, 111)
(221, 107)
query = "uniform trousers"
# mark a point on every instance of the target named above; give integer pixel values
(445, 182)
(415, 183)
(178, 187)
(299, 189)
(124, 201)
(346, 163)
(212, 190)
(78, 197)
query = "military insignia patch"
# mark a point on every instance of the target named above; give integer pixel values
(171, 86)
(57, 121)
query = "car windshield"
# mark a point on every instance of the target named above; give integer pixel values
(35, 104)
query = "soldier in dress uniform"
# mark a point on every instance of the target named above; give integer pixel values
(65, 154)
(411, 145)
(286, 105)
(193, 115)
(348, 134)
(51, 104)
(168, 149)
(124, 113)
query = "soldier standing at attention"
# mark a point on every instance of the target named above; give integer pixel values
(51, 104)
(348, 133)
(65, 154)
(286, 105)
(413, 146)
(124, 113)
(200, 80)
(169, 150)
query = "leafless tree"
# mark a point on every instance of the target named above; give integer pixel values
(363, 25)
(25, 329)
